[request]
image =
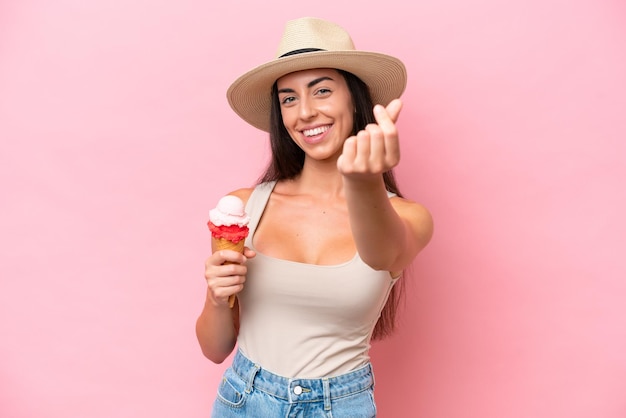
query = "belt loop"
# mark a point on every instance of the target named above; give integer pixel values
(290, 391)
(255, 369)
(326, 384)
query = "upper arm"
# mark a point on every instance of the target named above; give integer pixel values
(418, 228)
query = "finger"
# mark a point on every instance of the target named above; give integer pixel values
(248, 253)
(393, 109)
(363, 147)
(221, 282)
(387, 117)
(376, 148)
(224, 280)
(228, 256)
(346, 159)
(218, 275)
(222, 293)
(234, 285)
(384, 120)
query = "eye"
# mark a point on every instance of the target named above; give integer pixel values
(287, 100)
(323, 91)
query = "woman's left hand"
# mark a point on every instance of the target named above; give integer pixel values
(375, 149)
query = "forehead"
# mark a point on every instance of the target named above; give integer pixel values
(306, 76)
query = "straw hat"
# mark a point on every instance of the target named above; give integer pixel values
(314, 43)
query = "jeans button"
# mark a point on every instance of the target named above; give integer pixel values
(297, 390)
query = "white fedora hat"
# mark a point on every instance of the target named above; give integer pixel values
(314, 43)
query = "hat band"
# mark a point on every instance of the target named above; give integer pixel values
(300, 51)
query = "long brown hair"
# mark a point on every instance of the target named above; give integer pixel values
(287, 161)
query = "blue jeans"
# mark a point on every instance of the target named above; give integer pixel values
(247, 390)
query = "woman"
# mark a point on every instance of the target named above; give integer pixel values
(329, 233)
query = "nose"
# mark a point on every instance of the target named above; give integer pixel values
(307, 109)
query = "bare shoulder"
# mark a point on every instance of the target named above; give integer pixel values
(417, 216)
(243, 193)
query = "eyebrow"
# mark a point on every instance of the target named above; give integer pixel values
(309, 85)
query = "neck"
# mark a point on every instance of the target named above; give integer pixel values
(320, 178)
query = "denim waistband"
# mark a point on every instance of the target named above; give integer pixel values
(302, 390)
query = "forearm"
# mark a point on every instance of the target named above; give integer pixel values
(216, 330)
(375, 224)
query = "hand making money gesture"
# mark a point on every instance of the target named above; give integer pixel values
(375, 149)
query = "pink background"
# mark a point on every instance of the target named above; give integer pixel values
(114, 126)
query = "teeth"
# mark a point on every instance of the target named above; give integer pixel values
(315, 131)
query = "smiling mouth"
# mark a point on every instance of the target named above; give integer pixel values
(315, 131)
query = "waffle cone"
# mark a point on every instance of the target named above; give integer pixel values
(224, 244)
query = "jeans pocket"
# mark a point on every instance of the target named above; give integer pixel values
(232, 389)
(373, 401)
(356, 405)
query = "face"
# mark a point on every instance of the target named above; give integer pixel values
(317, 111)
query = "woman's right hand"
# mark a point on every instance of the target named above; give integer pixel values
(225, 273)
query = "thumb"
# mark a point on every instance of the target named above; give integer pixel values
(393, 109)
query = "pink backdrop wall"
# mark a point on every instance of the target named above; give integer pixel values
(112, 118)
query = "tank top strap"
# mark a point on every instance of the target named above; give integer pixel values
(256, 205)
(258, 200)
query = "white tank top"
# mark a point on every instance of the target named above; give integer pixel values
(303, 320)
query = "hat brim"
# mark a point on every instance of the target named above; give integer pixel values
(250, 95)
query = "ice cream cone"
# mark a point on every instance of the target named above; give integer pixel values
(225, 244)
(228, 223)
